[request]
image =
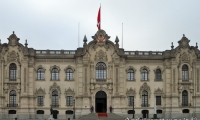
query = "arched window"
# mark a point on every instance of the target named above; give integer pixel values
(185, 72)
(40, 111)
(144, 99)
(130, 74)
(184, 98)
(12, 99)
(158, 74)
(144, 74)
(54, 74)
(69, 74)
(12, 72)
(101, 71)
(40, 74)
(54, 99)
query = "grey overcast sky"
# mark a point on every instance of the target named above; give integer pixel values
(149, 25)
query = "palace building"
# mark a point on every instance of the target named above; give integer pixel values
(99, 74)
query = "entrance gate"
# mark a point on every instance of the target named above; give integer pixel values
(101, 101)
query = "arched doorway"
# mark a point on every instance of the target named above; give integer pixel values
(55, 114)
(145, 113)
(101, 101)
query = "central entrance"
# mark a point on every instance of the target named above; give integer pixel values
(101, 101)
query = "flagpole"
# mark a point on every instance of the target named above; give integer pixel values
(122, 35)
(100, 16)
(78, 34)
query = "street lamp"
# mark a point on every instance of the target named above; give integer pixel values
(133, 109)
(74, 110)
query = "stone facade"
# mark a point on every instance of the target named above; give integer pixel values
(124, 75)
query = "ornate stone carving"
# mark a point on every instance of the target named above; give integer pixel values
(185, 57)
(184, 42)
(12, 86)
(69, 91)
(13, 56)
(40, 91)
(101, 55)
(54, 87)
(131, 92)
(158, 91)
(145, 87)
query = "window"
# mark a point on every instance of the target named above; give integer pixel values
(40, 74)
(185, 72)
(144, 99)
(54, 99)
(12, 99)
(130, 74)
(12, 72)
(101, 71)
(158, 100)
(144, 74)
(69, 100)
(54, 74)
(69, 74)
(184, 98)
(158, 74)
(40, 111)
(40, 101)
(130, 100)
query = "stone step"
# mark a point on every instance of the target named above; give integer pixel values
(94, 116)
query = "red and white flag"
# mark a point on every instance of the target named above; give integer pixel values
(99, 19)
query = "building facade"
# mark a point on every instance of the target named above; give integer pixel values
(99, 75)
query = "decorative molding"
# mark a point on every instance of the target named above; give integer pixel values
(101, 55)
(158, 92)
(145, 87)
(54, 87)
(54, 66)
(40, 66)
(145, 67)
(40, 92)
(131, 92)
(13, 57)
(69, 67)
(69, 91)
(131, 67)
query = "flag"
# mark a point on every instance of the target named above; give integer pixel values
(99, 19)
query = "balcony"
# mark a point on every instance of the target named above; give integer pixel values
(55, 105)
(185, 104)
(12, 105)
(145, 105)
(100, 80)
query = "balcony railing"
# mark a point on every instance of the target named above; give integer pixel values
(101, 80)
(55, 105)
(186, 104)
(12, 79)
(12, 105)
(145, 105)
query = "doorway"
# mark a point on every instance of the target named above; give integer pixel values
(101, 101)
(55, 114)
(145, 113)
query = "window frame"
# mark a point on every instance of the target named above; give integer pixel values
(145, 99)
(69, 100)
(40, 74)
(101, 71)
(158, 75)
(40, 100)
(55, 74)
(144, 73)
(69, 74)
(12, 72)
(185, 72)
(12, 98)
(158, 100)
(130, 100)
(54, 99)
(130, 75)
(185, 98)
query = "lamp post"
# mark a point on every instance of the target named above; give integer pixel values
(133, 109)
(74, 110)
